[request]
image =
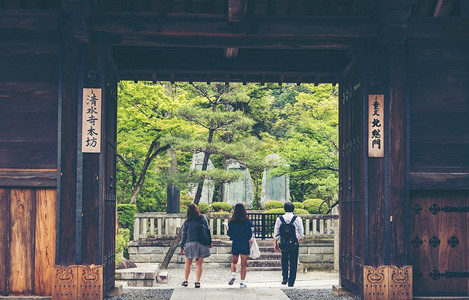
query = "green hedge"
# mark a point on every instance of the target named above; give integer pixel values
(125, 215)
(275, 211)
(184, 201)
(273, 204)
(203, 207)
(122, 244)
(312, 205)
(298, 211)
(301, 211)
(221, 206)
(298, 205)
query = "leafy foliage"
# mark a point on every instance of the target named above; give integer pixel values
(299, 205)
(314, 206)
(126, 213)
(221, 206)
(249, 122)
(298, 211)
(122, 244)
(273, 204)
(204, 207)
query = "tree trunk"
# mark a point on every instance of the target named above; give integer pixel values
(198, 195)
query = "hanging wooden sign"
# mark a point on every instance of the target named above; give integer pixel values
(376, 125)
(91, 121)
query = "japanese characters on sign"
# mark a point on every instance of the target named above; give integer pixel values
(91, 121)
(376, 125)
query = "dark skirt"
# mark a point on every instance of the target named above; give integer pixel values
(240, 247)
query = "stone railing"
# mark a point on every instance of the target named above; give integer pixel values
(160, 225)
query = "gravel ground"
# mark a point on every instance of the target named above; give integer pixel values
(306, 294)
(144, 294)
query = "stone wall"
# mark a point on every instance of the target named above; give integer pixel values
(312, 254)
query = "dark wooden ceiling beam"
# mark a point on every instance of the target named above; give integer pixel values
(237, 10)
(281, 27)
(247, 42)
(29, 19)
(438, 28)
(242, 77)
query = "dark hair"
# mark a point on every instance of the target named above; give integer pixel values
(239, 213)
(289, 207)
(193, 212)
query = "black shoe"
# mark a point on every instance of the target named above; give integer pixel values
(290, 285)
(284, 281)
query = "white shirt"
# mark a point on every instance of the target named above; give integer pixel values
(287, 217)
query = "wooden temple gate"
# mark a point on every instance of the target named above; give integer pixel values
(403, 73)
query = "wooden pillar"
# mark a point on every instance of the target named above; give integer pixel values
(86, 189)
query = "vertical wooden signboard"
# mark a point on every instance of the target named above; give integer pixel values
(91, 121)
(376, 125)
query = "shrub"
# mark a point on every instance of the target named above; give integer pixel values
(221, 206)
(184, 201)
(298, 205)
(122, 244)
(312, 205)
(300, 211)
(273, 204)
(203, 207)
(125, 215)
(275, 211)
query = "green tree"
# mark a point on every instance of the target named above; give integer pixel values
(145, 117)
(310, 148)
(218, 110)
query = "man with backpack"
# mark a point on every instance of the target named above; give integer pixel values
(289, 230)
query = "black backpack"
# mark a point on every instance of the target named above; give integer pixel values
(288, 240)
(203, 233)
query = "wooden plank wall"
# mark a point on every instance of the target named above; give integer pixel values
(28, 103)
(27, 235)
(439, 114)
(351, 180)
(439, 164)
(28, 161)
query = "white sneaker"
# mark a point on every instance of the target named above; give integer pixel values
(243, 285)
(232, 279)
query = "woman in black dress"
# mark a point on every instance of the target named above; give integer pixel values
(240, 232)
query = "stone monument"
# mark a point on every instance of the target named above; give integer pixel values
(208, 188)
(274, 188)
(240, 191)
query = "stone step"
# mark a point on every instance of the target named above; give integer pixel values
(264, 263)
(269, 256)
(265, 243)
(266, 249)
(264, 269)
(143, 276)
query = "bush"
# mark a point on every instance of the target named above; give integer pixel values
(298, 211)
(298, 205)
(203, 207)
(184, 201)
(275, 211)
(273, 204)
(221, 206)
(125, 215)
(301, 211)
(122, 244)
(312, 205)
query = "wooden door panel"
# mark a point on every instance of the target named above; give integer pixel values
(439, 242)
